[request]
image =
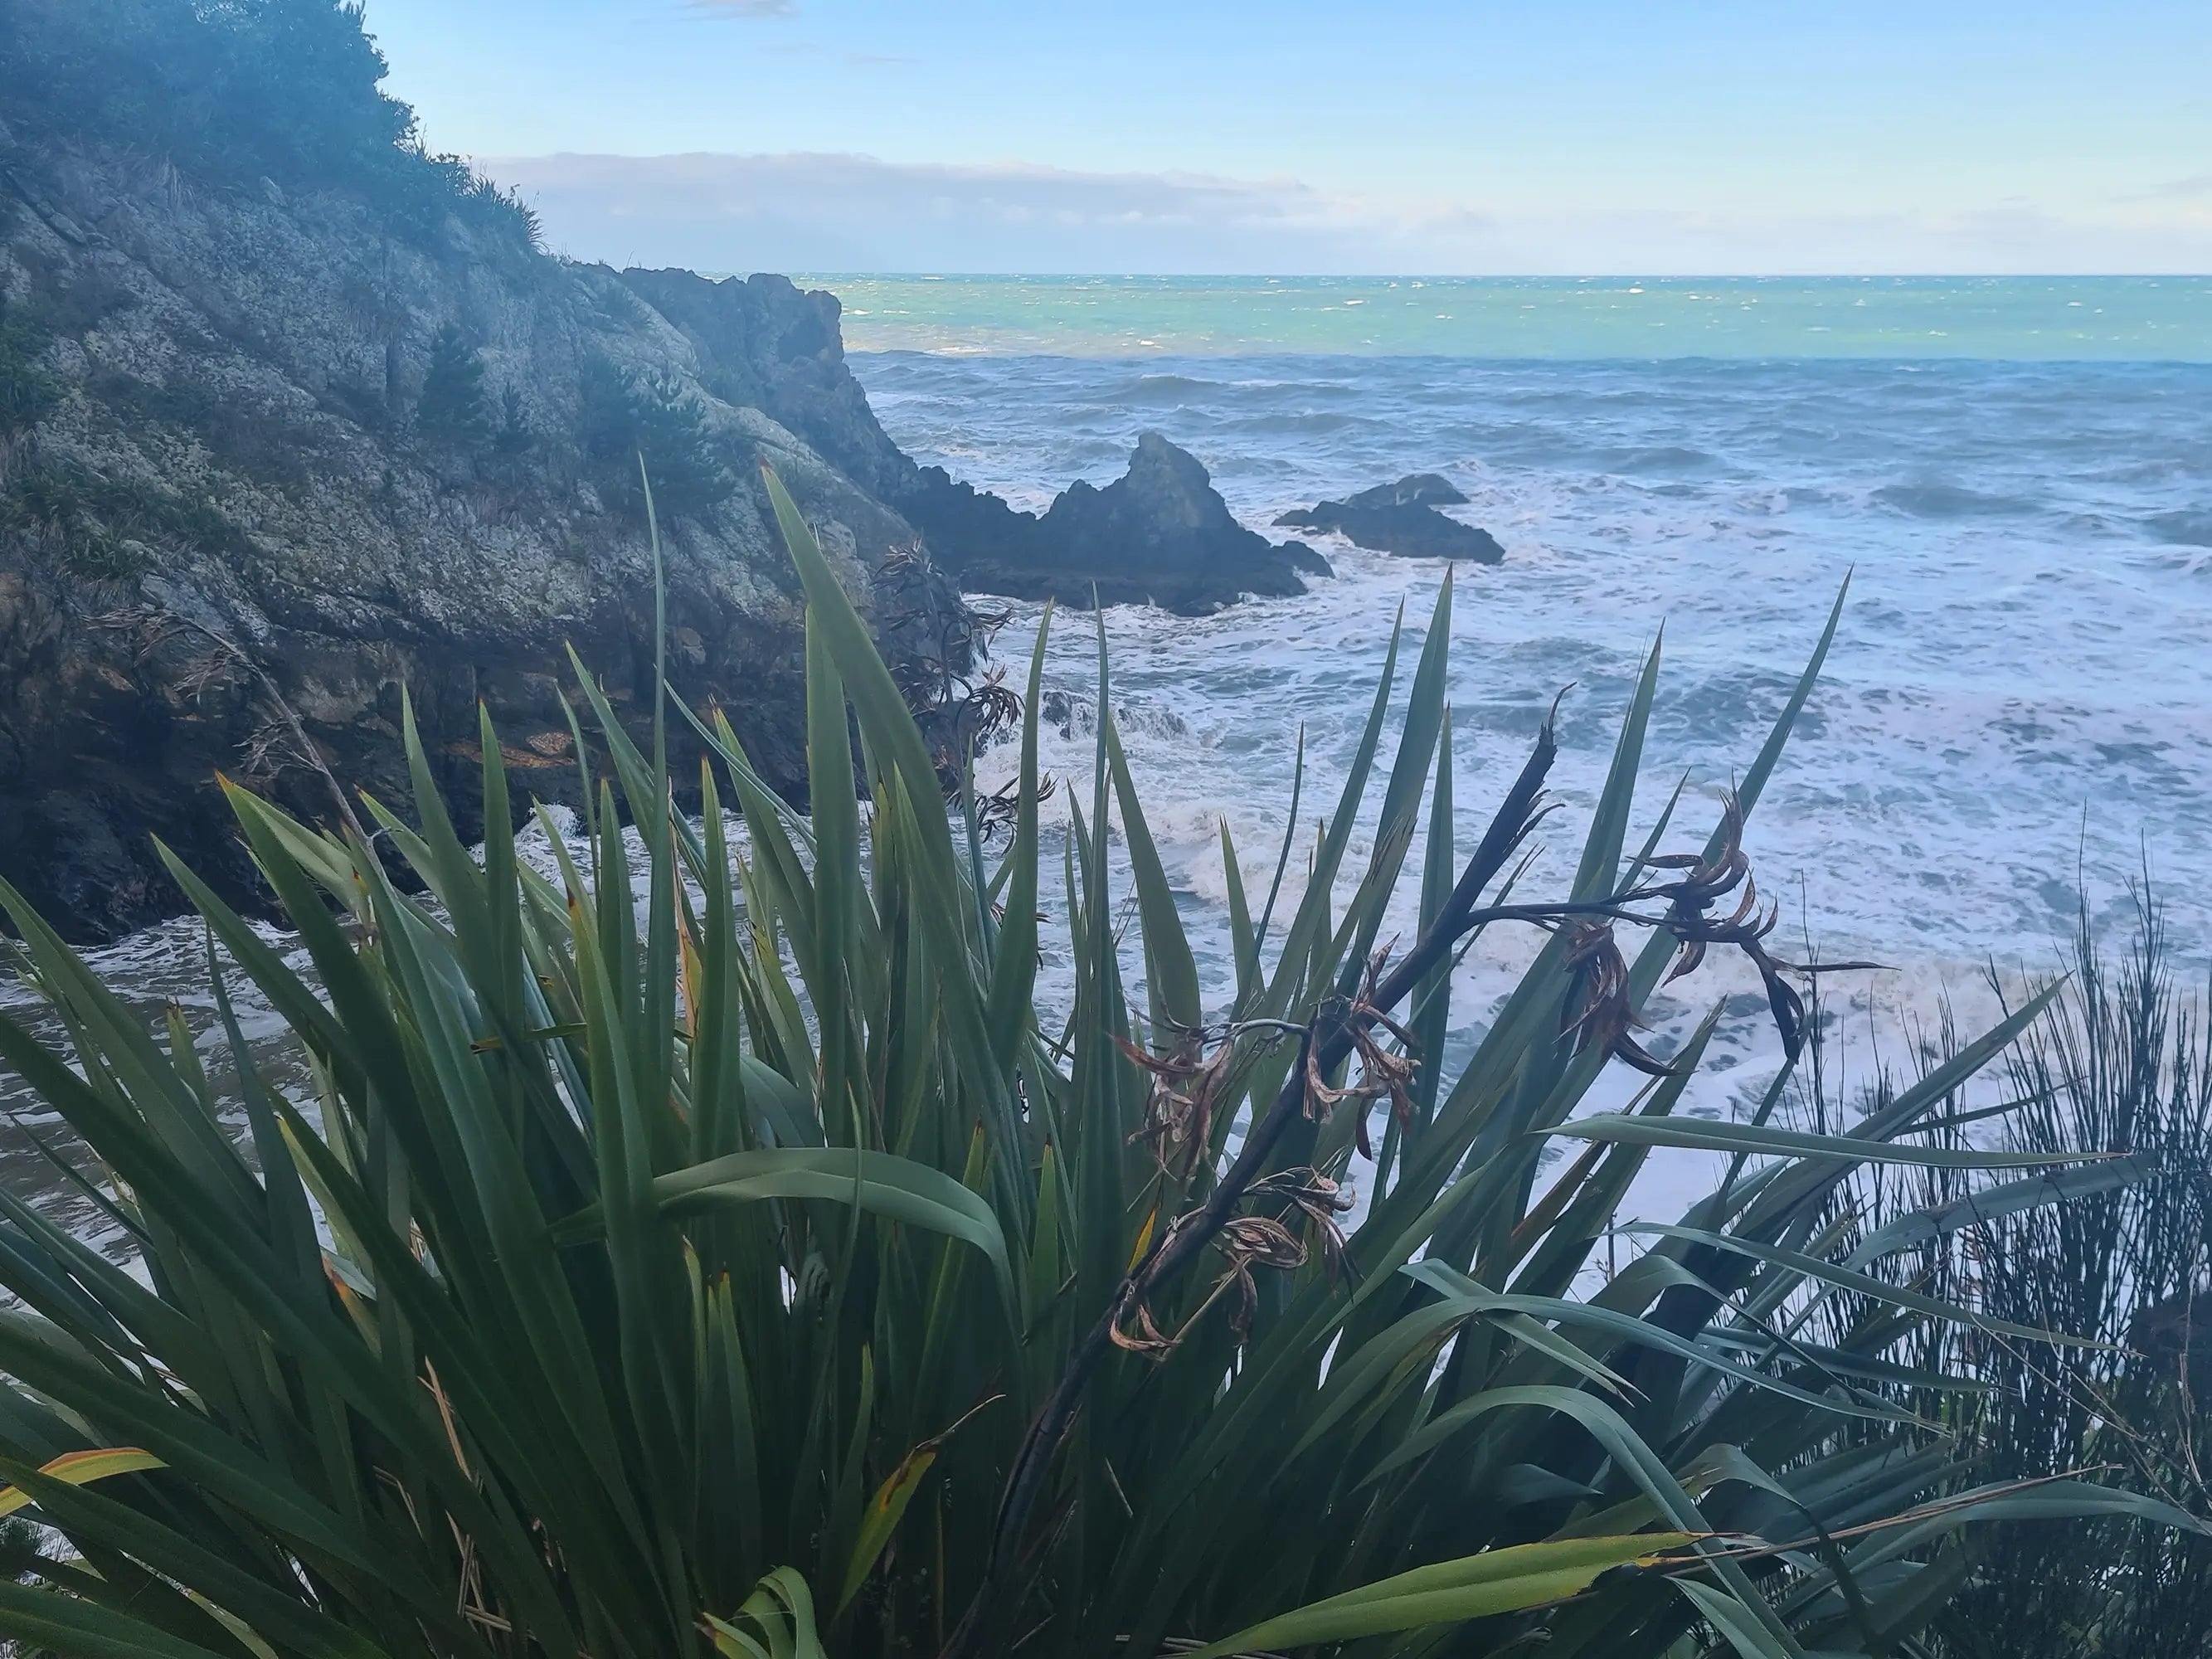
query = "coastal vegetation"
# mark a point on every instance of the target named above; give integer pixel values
(2120, 1059)
(452, 409)
(700, 1235)
(243, 94)
(700, 1239)
(626, 415)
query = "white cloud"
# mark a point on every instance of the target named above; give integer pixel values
(841, 212)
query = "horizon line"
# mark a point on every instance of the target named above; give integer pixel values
(927, 273)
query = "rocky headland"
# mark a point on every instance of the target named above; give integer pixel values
(283, 433)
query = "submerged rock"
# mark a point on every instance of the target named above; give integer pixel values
(1402, 518)
(1160, 535)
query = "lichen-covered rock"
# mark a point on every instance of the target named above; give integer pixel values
(267, 459)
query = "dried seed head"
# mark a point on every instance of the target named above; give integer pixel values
(1383, 1073)
(1689, 919)
(1605, 1017)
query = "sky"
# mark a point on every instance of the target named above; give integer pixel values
(1282, 136)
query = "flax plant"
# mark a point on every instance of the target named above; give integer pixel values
(708, 1249)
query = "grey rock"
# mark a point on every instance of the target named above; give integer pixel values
(1414, 490)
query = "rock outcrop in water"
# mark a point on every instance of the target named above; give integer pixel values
(277, 443)
(1402, 518)
(1159, 535)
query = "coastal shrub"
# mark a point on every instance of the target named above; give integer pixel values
(514, 436)
(452, 410)
(27, 392)
(498, 203)
(697, 1239)
(243, 431)
(2123, 1059)
(236, 91)
(626, 414)
(106, 528)
(72, 301)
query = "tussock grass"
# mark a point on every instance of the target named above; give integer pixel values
(2122, 1059)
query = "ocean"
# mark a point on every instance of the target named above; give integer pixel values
(2015, 474)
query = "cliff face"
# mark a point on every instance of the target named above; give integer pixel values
(267, 457)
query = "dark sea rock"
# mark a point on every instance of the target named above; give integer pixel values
(1402, 518)
(1159, 535)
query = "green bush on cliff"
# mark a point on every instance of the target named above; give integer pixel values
(452, 410)
(514, 436)
(708, 1247)
(627, 415)
(27, 392)
(111, 529)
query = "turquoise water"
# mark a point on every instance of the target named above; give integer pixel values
(2009, 319)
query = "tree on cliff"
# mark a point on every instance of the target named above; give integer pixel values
(627, 415)
(452, 410)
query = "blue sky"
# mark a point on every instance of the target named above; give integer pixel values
(1280, 136)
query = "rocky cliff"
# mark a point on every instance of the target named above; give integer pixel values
(273, 448)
